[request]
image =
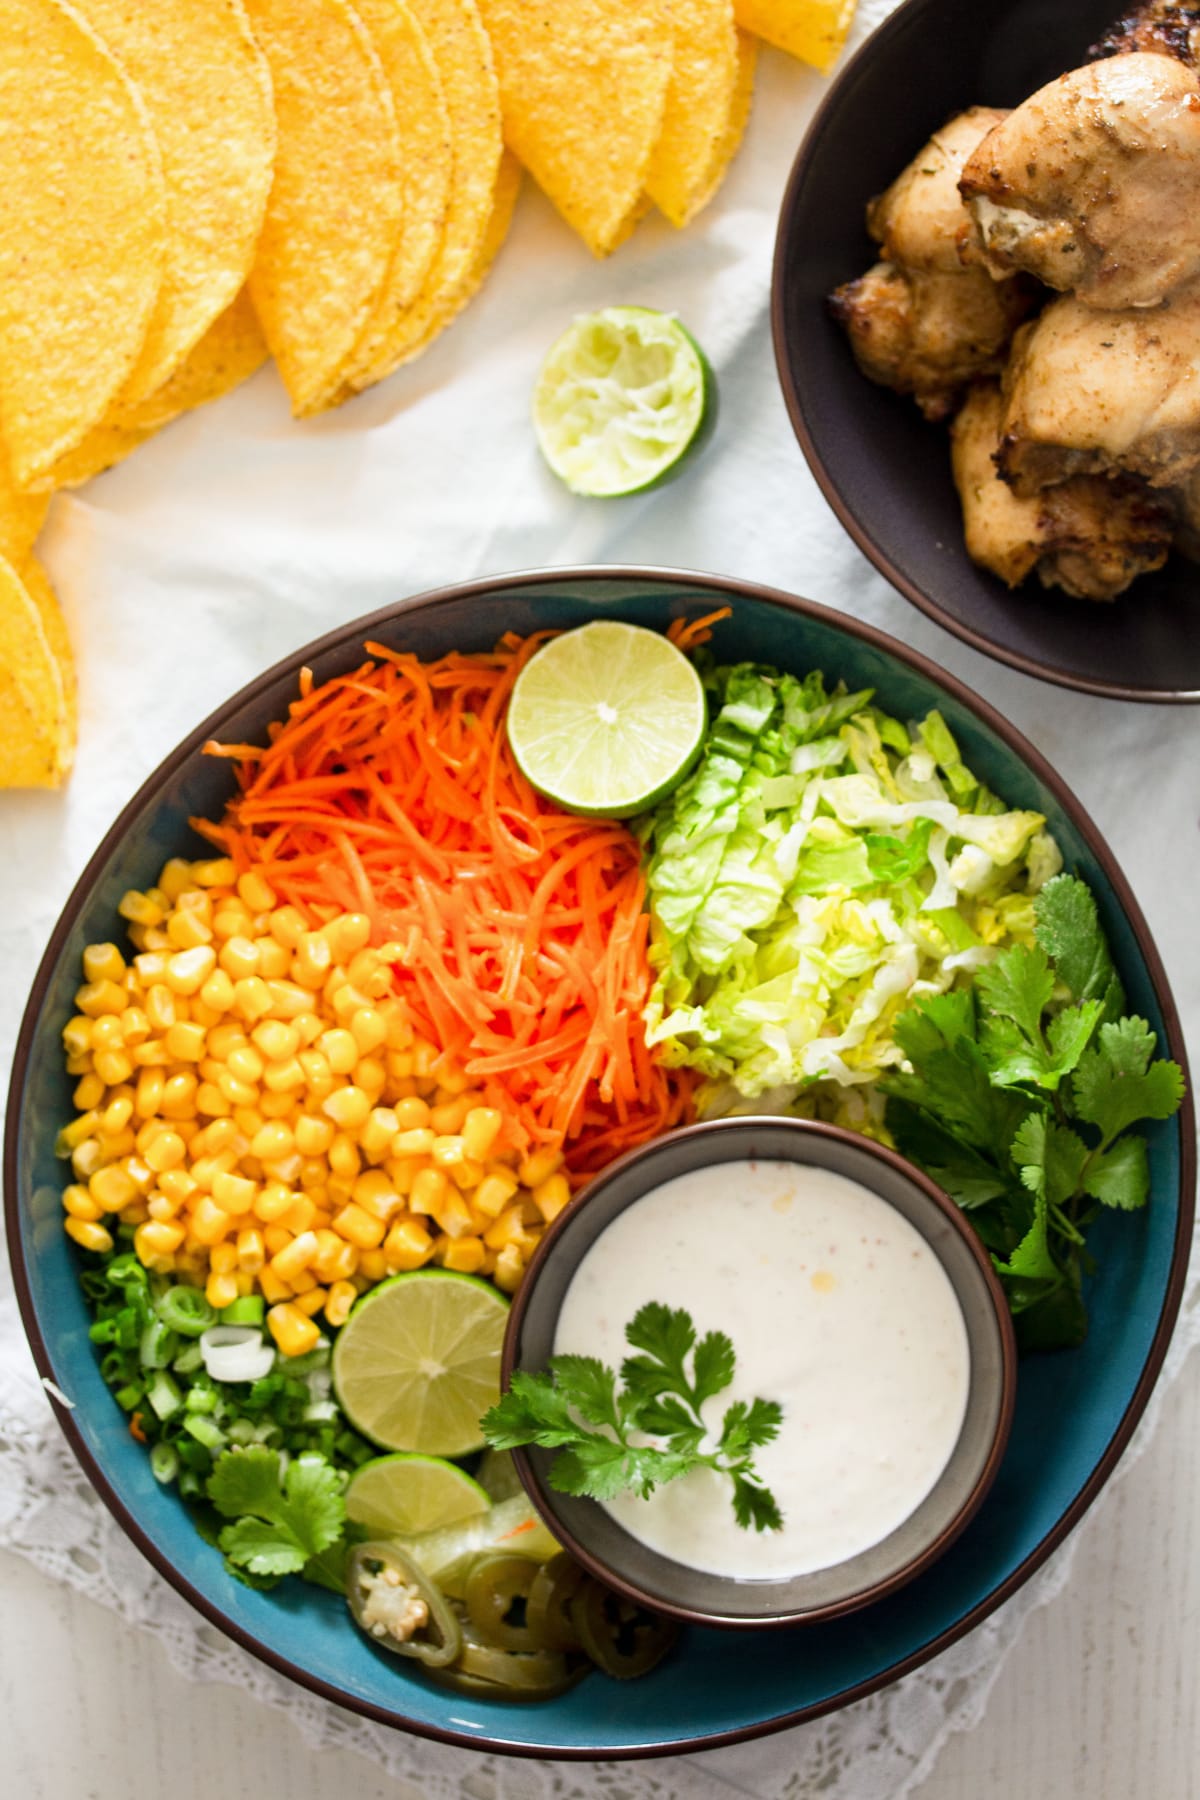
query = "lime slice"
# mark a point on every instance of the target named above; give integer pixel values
(606, 719)
(624, 395)
(402, 1495)
(417, 1363)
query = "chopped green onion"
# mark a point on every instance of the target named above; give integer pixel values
(163, 1395)
(247, 1309)
(164, 1463)
(190, 1359)
(201, 1398)
(185, 1310)
(204, 1431)
(157, 1345)
(129, 1397)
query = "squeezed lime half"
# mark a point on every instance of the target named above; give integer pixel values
(625, 395)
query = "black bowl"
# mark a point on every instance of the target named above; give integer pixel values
(885, 472)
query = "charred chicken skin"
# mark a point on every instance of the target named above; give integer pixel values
(1093, 184)
(1169, 26)
(918, 321)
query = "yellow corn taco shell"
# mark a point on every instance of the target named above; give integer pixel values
(462, 55)
(207, 89)
(22, 514)
(583, 90)
(334, 216)
(82, 231)
(37, 738)
(690, 156)
(813, 30)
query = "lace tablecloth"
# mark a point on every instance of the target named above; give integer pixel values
(239, 535)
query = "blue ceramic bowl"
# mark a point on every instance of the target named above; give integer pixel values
(1075, 1411)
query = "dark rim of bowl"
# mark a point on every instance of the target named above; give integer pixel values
(895, 23)
(718, 586)
(953, 1215)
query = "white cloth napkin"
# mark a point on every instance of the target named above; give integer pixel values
(239, 534)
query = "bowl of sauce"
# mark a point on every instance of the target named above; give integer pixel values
(859, 1303)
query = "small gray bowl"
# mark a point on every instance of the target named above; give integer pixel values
(657, 1581)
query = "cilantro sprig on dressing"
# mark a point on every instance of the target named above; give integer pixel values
(1019, 1097)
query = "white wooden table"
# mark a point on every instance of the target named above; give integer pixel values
(1098, 1701)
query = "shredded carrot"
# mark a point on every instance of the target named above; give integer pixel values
(135, 1428)
(520, 931)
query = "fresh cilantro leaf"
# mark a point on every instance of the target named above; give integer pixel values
(586, 1384)
(1116, 1083)
(278, 1523)
(713, 1365)
(661, 1397)
(664, 1333)
(1068, 929)
(1018, 986)
(755, 1506)
(1120, 1175)
(1070, 1032)
(749, 1424)
(1051, 1158)
(532, 1412)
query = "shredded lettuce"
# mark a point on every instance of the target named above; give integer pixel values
(823, 865)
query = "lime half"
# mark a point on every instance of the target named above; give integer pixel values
(417, 1363)
(606, 719)
(404, 1495)
(622, 398)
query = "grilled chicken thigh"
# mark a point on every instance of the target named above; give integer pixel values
(1090, 536)
(918, 321)
(1093, 184)
(1172, 26)
(1089, 392)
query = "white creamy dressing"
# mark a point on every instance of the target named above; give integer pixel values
(837, 1308)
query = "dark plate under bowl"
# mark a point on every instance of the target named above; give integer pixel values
(1074, 1413)
(885, 472)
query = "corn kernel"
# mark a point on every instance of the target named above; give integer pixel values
(251, 999)
(371, 1076)
(373, 1265)
(274, 1201)
(311, 960)
(78, 1202)
(284, 1077)
(234, 1193)
(157, 1240)
(103, 962)
(209, 1222)
(358, 1227)
(140, 909)
(211, 1102)
(166, 1152)
(86, 1158)
(255, 890)
(178, 1186)
(89, 1235)
(188, 930)
(287, 926)
(407, 1246)
(312, 1300)
(339, 1050)
(135, 1026)
(447, 1117)
(509, 1269)
(480, 1129)
(418, 1142)
(185, 1041)
(217, 992)
(494, 1192)
(89, 1093)
(221, 1290)
(343, 1157)
(111, 1188)
(295, 1256)
(272, 1288)
(509, 1228)
(239, 958)
(551, 1195)
(148, 1093)
(301, 1215)
(313, 1136)
(97, 997)
(113, 1067)
(223, 1258)
(466, 1255)
(537, 1167)
(273, 960)
(429, 1189)
(348, 1107)
(272, 1142)
(77, 1035)
(179, 1096)
(338, 1301)
(160, 1207)
(294, 1332)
